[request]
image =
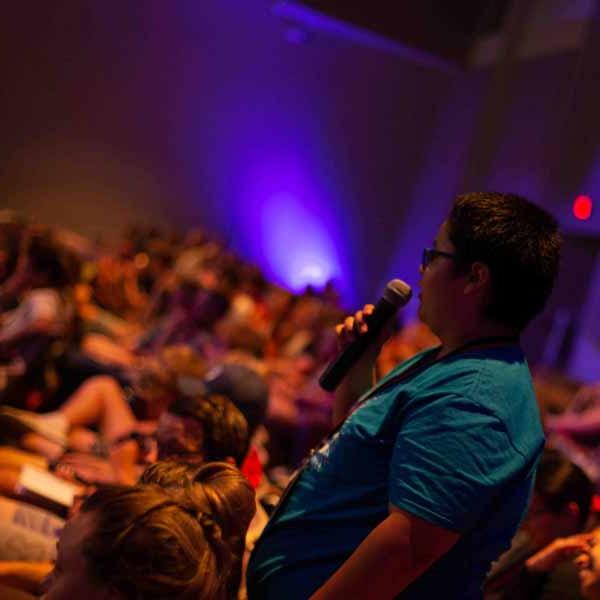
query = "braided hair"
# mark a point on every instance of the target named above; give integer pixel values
(153, 543)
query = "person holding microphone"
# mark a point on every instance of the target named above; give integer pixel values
(428, 474)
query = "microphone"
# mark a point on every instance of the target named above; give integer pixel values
(397, 293)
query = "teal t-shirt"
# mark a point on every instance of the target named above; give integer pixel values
(455, 444)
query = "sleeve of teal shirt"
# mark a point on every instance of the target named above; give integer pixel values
(450, 458)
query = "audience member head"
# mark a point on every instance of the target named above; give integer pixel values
(242, 337)
(169, 474)
(219, 486)
(201, 429)
(244, 387)
(220, 489)
(238, 382)
(520, 244)
(226, 492)
(145, 542)
(155, 384)
(561, 499)
(181, 360)
(554, 391)
(49, 264)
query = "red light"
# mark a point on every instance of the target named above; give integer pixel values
(582, 208)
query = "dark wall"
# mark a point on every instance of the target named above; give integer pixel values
(314, 159)
(545, 148)
(187, 112)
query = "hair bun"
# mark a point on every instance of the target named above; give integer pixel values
(209, 525)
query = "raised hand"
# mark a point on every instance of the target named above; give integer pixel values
(559, 550)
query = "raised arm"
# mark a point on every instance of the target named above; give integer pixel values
(362, 375)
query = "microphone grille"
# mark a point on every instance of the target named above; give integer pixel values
(397, 292)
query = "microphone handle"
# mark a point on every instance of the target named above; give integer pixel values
(339, 367)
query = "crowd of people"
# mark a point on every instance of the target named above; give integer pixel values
(154, 351)
(158, 392)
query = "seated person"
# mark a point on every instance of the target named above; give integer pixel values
(215, 482)
(102, 402)
(45, 273)
(146, 542)
(584, 550)
(576, 431)
(559, 507)
(195, 306)
(42, 315)
(195, 430)
(220, 483)
(582, 419)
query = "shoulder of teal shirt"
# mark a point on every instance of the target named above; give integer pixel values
(406, 364)
(397, 370)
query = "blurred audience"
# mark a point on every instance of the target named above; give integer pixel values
(127, 370)
(155, 347)
(560, 507)
(584, 552)
(156, 542)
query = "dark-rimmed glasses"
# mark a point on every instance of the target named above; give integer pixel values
(430, 253)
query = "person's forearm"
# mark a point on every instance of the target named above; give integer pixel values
(362, 375)
(26, 576)
(123, 459)
(382, 566)
(559, 550)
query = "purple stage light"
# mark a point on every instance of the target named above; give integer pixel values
(298, 249)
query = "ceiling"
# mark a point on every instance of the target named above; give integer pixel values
(442, 28)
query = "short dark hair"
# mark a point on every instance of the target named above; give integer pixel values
(559, 481)
(518, 241)
(59, 266)
(224, 427)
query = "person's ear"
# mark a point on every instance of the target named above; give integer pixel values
(478, 278)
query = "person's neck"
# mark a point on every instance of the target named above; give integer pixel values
(452, 341)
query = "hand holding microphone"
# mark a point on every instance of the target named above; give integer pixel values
(363, 330)
(355, 326)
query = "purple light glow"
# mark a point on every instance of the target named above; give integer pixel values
(274, 183)
(282, 207)
(297, 247)
(290, 228)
